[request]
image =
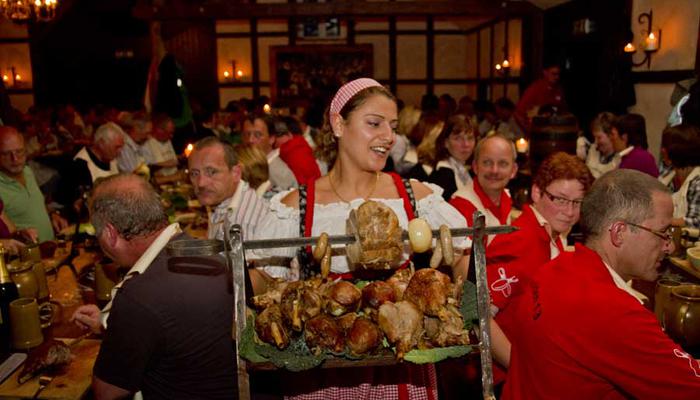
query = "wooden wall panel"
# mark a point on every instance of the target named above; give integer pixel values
(264, 44)
(451, 56)
(411, 94)
(411, 56)
(380, 45)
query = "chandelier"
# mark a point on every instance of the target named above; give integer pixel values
(24, 10)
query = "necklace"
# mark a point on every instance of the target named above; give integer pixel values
(374, 186)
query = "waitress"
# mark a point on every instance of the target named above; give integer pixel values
(359, 132)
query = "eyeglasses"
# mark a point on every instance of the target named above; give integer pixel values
(16, 153)
(561, 201)
(208, 172)
(664, 235)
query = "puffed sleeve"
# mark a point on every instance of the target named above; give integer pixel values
(436, 211)
(281, 222)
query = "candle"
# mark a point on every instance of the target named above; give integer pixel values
(498, 67)
(651, 43)
(505, 64)
(239, 74)
(267, 108)
(18, 77)
(188, 149)
(629, 48)
(227, 74)
(521, 145)
(5, 78)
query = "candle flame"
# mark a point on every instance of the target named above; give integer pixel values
(505, 63)
(226, 74)
(652, 36)
(239, 73)
(188, 149)
(498, 67)
(267, 108)
(629, 48)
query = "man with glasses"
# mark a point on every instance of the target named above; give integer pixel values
(215, 174)
(168, 331)
(24, 202)
(557, 192)
(585, 335)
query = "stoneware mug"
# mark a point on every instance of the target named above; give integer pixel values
(25, 324)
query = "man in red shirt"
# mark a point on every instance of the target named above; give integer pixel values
(544, 91)
(494, 165)
(295, 151)
(587, 336)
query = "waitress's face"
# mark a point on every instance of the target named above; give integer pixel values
(368, 133)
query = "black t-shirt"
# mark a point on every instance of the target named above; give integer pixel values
(169, 336)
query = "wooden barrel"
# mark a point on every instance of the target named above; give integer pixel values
(550, 135)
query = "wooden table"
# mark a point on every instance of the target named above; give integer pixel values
(684, 265)
(72, 381)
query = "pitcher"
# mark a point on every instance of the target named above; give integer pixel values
(683, 317)
(662, 298)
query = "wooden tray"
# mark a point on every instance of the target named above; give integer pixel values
(72, 382)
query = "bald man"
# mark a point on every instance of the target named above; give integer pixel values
(19, 191)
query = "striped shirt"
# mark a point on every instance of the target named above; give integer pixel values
(130, 156)
(244, 208)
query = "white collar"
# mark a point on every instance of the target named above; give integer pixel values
(235, 200)
(542, 221)
(626, 151)
(621, 284)
(272, 155)
(142, 264)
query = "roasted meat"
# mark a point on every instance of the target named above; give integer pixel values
(345, 322)
(402, 323)
(364, 337)
(447, 330)
(323, 333)
(399, 282)
(272, 296)
(270, 327)
(429, 290)
(378, 233)
(342, 297)
(301, 301)
(51, 353)
(377, 293)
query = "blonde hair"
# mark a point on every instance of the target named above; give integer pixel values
(408, 118)
(255, 170)
(426, 149)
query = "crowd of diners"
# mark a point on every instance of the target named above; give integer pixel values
(565, 321)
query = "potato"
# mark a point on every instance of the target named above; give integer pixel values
(420, 235)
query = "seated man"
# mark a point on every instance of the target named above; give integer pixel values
(23, 201)
(158, 149)
(215, 174)
(494, 165)
(137, 129)
(99, 160)
(168, 332)
(585, 335)
(257, 131)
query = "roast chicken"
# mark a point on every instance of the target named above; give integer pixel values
(402, 323)
(323, 333)
(363, 337)
(271, 328)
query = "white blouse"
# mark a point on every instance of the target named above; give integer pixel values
(283, 221)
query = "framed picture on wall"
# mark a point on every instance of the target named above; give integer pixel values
(301, 75)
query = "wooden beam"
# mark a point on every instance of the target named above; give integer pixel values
(222, 9)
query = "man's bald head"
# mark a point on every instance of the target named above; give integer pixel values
(128, 203)
(13, 155)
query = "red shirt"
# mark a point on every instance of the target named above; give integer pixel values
(467, 208)
(299, 156)
(538, 94)
(511, 259)
(588, 339)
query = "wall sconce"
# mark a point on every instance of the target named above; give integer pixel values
(503, 67)
(650, 43)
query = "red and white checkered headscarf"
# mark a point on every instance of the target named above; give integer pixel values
(347, 91)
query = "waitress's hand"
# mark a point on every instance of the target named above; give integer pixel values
(12, 246)
(88, 317)
(58, 222)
